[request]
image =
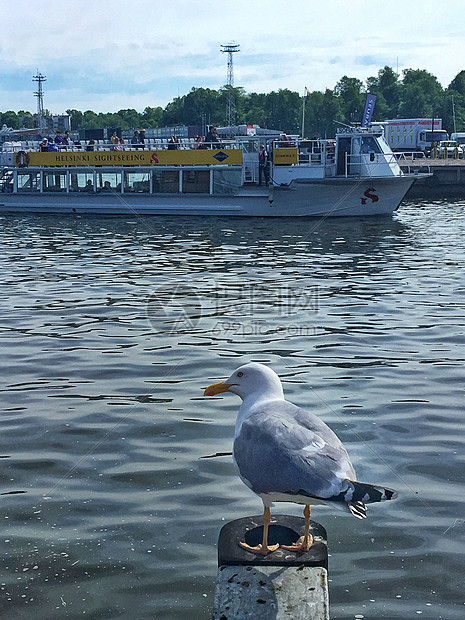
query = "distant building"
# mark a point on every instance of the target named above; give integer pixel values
(59, 122)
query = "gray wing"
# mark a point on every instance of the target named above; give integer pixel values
(285, 449)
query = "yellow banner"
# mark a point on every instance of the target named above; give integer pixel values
(285, 156)
(191, 157)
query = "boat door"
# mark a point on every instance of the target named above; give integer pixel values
(343, 155)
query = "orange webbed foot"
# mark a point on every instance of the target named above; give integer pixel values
(259, 549)
(303, 544)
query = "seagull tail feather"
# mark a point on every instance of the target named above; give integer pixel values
(361, 493)
(367, 493)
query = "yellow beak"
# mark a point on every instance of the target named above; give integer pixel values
(217, 388)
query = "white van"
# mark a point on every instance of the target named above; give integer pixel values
(458, 137)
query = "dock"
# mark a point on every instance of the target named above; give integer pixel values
(447, 180)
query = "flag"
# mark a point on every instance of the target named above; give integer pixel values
(369, 107)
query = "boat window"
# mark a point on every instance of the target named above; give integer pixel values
(370, 145)
(81, 182)
(227, 180)
(55, 181)
(137, 182)
(108, 182)
(196, 181)
(166, 181)
(28, 182)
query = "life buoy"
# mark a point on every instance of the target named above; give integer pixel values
(22, 159)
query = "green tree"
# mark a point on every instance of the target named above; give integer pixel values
(174, 112)
(10, 119)
(421, 94)
(352, 95)
(90, 120)
(151, 117)
(221, 112)
(283, 110)
(76, 119)
(387, 88)
(128, 119)
(322, 112)
(453, 108)
(26, 119)
(201, 105)
(253, 109)
(458, 83)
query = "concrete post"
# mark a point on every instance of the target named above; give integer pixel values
(284, 584)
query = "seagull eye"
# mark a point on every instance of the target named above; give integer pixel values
(240, 374)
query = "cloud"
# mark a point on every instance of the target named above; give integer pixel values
(146, 53)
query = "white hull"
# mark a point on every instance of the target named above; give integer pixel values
(334, 197)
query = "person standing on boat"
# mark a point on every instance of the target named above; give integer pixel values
(142, 136)
(262, 165)
(114, 138)
(213, 137)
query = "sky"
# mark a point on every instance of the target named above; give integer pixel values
(107, 55)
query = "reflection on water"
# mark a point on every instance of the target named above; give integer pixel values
(111, 327)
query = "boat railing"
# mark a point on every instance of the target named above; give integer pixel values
(6, 180)
(160, 144)
(370, 164)
(409, 156)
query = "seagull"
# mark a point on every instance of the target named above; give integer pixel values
(287, 454)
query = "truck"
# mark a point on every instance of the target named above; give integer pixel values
(414, 134)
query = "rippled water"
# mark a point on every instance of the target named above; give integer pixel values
(111, 327)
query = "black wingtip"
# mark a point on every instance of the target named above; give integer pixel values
(368, 493)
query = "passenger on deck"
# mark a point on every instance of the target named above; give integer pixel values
(59, 138)
(262, 165)
(173, 143)
(213, 137)
(106, 187)
(44, 145)
(197, 141)
(114, 138)
(66, 139)
(142, 136)
(135, 140)
(285, 141)
(117, 146)
(89, 186)
(90, 145)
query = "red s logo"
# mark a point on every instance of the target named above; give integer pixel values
(367, 193)
(154, 158)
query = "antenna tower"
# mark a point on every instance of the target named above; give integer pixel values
(40, 100)
(230, 49)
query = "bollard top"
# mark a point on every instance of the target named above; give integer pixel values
(283, 529)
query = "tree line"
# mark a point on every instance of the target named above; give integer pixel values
(416, 93)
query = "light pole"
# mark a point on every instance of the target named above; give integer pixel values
(303, 111)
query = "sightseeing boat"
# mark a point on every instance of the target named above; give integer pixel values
(354, 175)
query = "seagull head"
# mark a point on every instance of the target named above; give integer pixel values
(250, 380)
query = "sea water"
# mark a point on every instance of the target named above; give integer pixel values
(110, 328)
